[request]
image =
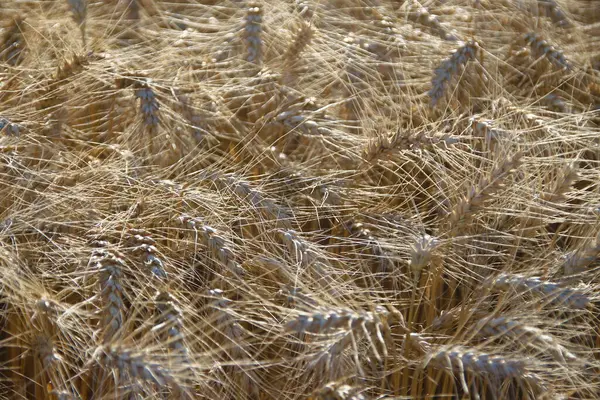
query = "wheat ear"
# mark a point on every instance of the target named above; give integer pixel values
(79, 11)
(449, 68)
(253, 32)
(10, 128)
(218, 245)
(518, 332)
(149, 105)
(562, 185)
(577, 261)
(423, 17)
(484, 189)
(555, 12)
(301, 40)
(494, 369)
(13, 43)
(110, 268)
(258, 200)
(368, 323)
(541, 48)
(234, 333)
(384, 144)
(170, 319)
(421, 252)
(143, 245)
(383, 260)
(337, 391)
(136, 364)
(562, 296)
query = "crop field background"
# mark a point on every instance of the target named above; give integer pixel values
(325, 200)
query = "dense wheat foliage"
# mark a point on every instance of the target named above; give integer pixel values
(309, 199)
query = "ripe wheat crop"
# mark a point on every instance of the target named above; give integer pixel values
(299, 199)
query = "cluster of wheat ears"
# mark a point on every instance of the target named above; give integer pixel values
(309, 199)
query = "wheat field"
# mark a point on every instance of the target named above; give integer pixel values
(299, 199)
